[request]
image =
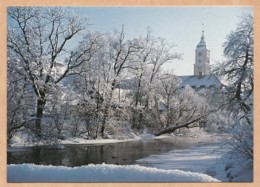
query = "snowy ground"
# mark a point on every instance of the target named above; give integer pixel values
(20, 141)
(101, 173)
(231, 169)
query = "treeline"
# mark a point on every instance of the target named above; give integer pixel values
(64, 80)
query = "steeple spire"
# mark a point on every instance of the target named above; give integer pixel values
(202, 36)
(202, 42)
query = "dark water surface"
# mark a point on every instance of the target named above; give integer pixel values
(124, 153)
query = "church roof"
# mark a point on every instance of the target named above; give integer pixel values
(206, 81)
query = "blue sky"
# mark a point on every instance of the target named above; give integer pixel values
(181, 26)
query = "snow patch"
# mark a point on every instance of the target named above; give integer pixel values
(96, 142)
(228, 168)
(101, 173)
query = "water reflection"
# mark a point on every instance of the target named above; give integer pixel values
(125, 153)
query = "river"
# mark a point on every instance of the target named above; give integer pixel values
(124, 153)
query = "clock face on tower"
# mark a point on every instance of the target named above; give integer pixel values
(199, 53)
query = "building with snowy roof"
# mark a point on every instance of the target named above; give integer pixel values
(204, 81)
(202, 77)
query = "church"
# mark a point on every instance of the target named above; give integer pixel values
(202, 77)
(203, 81)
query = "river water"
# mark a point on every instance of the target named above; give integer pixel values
(124, 153)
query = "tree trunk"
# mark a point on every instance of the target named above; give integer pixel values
(136, 112)
(174, 128)
(107, 106)
(104, 121)
(40, 107)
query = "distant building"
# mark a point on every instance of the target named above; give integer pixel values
(202, 78)
(197, 82)
(203, 81)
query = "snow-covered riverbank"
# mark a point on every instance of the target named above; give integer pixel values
(204, 157)
(208, 158)
(101, 173)
(193, 136)
(202, 163)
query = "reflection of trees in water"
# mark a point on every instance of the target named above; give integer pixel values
(77, 155)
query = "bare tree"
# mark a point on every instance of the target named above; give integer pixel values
(40, 38)
(147, 68)
(168, 92)
(187, 110)
(161, 54)
(119, 52)
(237, 69)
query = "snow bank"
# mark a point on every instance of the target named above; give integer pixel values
(95, 142)
(193, 135)
(100, 173)
(21, 140)
(228, 168)
(21, 143)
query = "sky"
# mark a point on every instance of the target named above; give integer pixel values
(181, 26)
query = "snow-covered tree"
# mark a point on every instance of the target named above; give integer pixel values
(237, 69)
(88, 86)
(141, 78)
(169, 87)
(40, 38)
(19, 95)
(146, 69)
(187, 110)
(116, 56)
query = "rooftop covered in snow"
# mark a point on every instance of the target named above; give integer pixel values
(206, 81)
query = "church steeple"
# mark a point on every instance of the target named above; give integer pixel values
(202, 42)
(202, 37)
(202, 58)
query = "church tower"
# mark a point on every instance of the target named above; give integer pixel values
(202, 58)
